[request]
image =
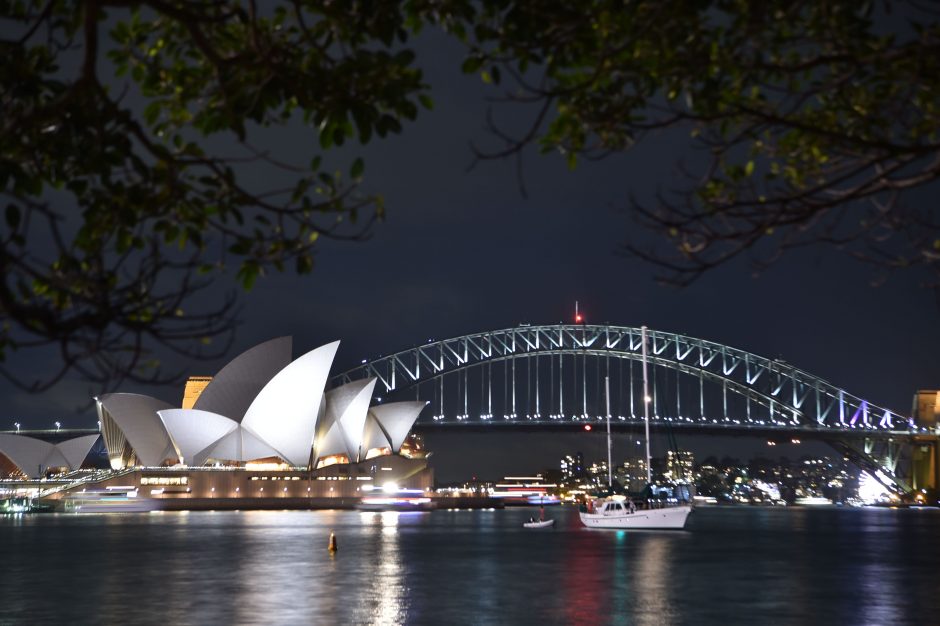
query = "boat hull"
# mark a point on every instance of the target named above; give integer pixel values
(669, 518)
(130, 505)
(403, 506)
(543, 524)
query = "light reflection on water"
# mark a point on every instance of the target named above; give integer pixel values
(386, 602)
(469, 567)
(654, 589)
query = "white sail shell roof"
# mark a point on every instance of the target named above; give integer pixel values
(235, 387)
(193, 431)
(397, 418)
(284, 414)
(33, 455)
(27, 453)
(327, 438)
(136, 416)
(346, 410)
(331, 443)
(75, 450)
(373, 436)
(239, 445)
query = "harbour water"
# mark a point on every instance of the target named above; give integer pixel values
(732, 565)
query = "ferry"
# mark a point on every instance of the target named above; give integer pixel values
(15, 506)
(393, 498)
(525, 491)
(110, 500)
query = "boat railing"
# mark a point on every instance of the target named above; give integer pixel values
(662, 503)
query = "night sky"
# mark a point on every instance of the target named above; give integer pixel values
(463, 251)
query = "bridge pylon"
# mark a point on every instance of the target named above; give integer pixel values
(926, 414)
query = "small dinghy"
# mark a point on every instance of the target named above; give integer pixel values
(539, 524)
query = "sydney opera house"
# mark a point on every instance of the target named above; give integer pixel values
(264, 428)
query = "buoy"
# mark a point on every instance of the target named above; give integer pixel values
(332, 547)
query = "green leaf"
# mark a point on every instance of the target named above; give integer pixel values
(358, 168)
(304, 264)
(326, 137)
(471, 65)
(13, 216)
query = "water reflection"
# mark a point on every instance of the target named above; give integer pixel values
(384, 601)
(656, 590)
(469, 567)
(878, 580)
(586, 583)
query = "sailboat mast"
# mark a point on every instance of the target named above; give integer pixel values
(646, 407)
(610, 467)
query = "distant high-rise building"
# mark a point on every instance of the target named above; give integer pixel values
(632, 474)
(598, 469)
(194, 386)
(679, 465)
(572, 466)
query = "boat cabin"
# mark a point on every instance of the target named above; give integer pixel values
(616, 507)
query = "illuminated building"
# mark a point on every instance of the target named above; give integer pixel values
(926, 408)
(263, 412)
(194, 388)
(261, 405)
(632, 474)
(572, 467)
(680, 466)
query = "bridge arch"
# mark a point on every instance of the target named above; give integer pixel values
(775, 393)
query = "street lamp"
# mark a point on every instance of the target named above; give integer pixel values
(17, 424)
(57, 426)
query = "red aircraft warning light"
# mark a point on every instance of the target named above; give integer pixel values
(578, 318)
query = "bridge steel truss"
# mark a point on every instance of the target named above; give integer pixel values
(777, 396)
(789, 396)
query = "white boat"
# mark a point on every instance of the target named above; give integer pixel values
(548, 523)
(110, 500)
(616, 512)
(394, 498)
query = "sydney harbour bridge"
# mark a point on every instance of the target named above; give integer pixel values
(556, 376)
(563, 376)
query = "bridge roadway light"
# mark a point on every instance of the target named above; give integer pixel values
(17, 425)
(58, 426)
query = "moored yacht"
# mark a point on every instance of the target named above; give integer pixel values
(616, 511)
